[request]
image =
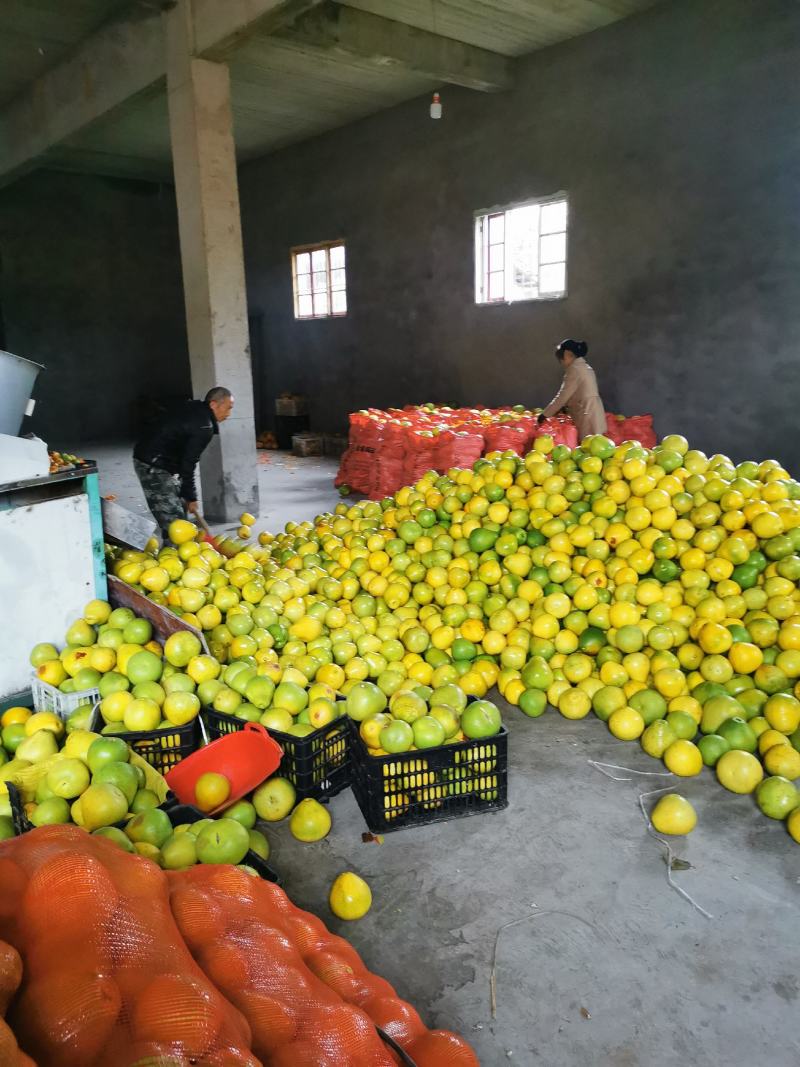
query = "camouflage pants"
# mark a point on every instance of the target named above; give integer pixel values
(162, 493)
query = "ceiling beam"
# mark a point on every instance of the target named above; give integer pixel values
(107, 165)
(118, 62)
(221, 26)
(348, 31)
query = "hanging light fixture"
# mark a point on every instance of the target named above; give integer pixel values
(436, 107)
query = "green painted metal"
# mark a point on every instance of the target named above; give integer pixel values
(92, 486)
(22, 699)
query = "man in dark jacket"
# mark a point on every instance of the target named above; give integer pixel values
(165, 458)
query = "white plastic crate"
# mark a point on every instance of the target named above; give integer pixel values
(47, 698)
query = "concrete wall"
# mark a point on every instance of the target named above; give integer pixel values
(676, 136)
(91, 288)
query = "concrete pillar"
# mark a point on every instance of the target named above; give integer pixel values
(206, 186)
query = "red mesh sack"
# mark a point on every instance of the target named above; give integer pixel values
(440, 1048)
(442, 450)
(465, 449)
(505, 437)
(255, 948)
(530, 428)
(395, 439)
(614, 428)
(459, 449)
(10, 979)
(356, 470)
(387, 477)
(123, 963)
(107, 977)
(420, 456)
(563, 431)
(305, 992)
(640, 428)
(366, 428)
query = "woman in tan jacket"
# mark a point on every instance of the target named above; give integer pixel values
(578, 392)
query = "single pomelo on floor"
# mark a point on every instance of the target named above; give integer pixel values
(673, 814)
(350, 897)
(310, 821)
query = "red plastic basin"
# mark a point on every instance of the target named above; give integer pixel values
(246, 758)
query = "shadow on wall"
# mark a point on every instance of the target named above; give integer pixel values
(92, 290)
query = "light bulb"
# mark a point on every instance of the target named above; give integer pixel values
(436, 107)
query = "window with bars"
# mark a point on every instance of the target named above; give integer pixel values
(521, 252)
(320, 284)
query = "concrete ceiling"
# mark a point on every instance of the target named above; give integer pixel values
(37, 34)
(288, 86)
(511, 27)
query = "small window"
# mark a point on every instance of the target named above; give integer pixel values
(521, 252)
(320, 287)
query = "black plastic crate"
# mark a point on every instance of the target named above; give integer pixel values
(162, 749)
(319, 765)
(18, 817)
(179, 814)
(430, 785)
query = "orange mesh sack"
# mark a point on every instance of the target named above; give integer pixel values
(640, 428)
(305, 992)
(110, 962)
(561, 429)
(107, 977)
(250, 941)
(10, 978)
(505, 437)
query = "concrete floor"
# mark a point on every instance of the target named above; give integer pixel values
(612, 968)
(291, 489)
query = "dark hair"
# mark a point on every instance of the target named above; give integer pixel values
(578, 348)
(219, 392)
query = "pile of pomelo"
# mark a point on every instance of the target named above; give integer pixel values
(280, 699)
(657, 588)
(226, 839)
(68, 774)
(142, 686)
(418, 717)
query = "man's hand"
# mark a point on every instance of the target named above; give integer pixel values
(192, 507)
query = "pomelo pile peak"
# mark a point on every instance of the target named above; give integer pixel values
(655, 588)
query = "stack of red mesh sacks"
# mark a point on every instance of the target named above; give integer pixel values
(357, 468)
(389, 449)
(123, 964)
